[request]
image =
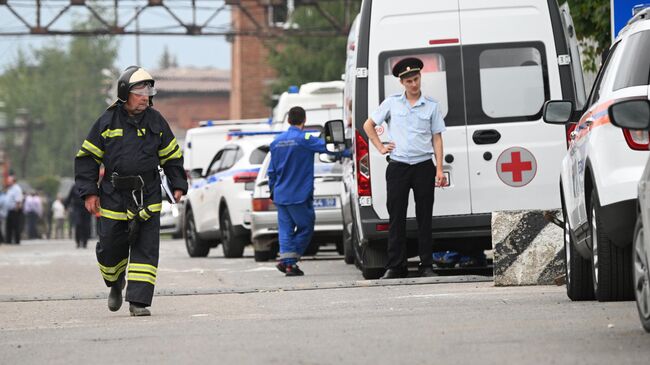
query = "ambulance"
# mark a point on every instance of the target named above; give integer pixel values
(322, 101)
(491, 65)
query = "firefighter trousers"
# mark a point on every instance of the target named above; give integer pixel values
(138, 262)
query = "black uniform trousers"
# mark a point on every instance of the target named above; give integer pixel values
(400, 179)
(14, 226)
(118, 258)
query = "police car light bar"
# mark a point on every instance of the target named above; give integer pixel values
(636, 9)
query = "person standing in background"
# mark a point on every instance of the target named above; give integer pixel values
(58, 216)
(14, 206)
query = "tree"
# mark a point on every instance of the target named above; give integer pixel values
(62, 86)
(592, 22)
(300, 59)
(167, 60)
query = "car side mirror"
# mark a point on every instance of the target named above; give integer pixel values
(558, 111)
(196, 173)
(334, 132)
(630, 114)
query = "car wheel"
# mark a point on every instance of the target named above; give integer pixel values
(374, 261)
(641, 276)
(312, 249)
(233, 244)
(262, 256)
(339, 246)
(348, 249)
(611, 269)
(579, 285)
(196, 247)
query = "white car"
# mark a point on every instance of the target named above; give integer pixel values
(601, 170)
(328, 187)
(170, 223)
(218, 204)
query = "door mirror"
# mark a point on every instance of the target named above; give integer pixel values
(630, 114)
(334, 132)
(558, 111)
(196, 173)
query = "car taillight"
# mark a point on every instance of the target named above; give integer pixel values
(363, 166)
(244, 177)
(637, 140)
(263, 205)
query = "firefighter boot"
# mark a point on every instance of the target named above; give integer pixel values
(138, 310)
(115, 296)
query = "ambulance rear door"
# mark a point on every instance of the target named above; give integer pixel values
(511, 68)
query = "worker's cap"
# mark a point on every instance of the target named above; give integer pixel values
(143, 88)
(407, 67)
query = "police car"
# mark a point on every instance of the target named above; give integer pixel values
(491, 83)
(601, 170)
(218, 204)
(328, 187)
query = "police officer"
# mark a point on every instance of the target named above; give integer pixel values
(131, 139)
(415, 126)
(291, 181)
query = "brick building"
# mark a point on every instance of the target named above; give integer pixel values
(189, 95)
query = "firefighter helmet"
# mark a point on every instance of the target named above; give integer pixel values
(131, 76)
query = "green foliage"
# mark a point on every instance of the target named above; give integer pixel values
(46, 183)
(301, 59)
(62, 88)
(592, 22)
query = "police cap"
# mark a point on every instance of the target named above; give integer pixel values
(407, 67)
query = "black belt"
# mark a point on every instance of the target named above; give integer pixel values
(133, 182)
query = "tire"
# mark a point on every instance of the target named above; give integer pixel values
(196, 247)
(262, 256)
(374, 261)
(348, 248)
(339, 246)
(611, 268)
(579, 282)
(233, 244)
(312, 249)
(641, 275)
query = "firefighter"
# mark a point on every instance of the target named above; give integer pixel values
(131, 140)
(291, 181)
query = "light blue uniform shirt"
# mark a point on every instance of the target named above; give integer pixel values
(411, 128)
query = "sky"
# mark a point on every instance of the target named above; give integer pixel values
(196, 51)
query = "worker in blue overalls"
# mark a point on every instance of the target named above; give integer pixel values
(291, 181)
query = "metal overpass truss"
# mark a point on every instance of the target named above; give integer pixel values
(186, 17)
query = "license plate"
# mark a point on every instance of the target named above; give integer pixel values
(324, 203)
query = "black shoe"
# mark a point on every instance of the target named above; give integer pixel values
(138, 310)
(282, 267)
(293, 270)
(426, 272)
(395, 274)
(115, 296)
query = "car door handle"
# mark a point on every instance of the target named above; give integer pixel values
(486, 136)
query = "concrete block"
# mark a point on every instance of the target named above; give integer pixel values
(528, 250)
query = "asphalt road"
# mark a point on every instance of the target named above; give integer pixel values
(216, 310)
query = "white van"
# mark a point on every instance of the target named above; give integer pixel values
(491, 65)
(322, 101)
(201, 143)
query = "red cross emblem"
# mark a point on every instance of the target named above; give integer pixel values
(516, 166)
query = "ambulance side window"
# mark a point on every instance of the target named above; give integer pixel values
(441, 79)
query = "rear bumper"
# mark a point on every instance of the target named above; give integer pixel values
(444, 227)
(329, 225)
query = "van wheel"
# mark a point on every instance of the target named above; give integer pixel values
(348, 249)
(641, 275)
(233, 244)
(374, 257)
(579, 284)
(611, 269)
(196, 247)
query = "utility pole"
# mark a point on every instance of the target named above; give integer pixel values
(137, 36)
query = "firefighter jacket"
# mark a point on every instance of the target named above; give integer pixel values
(128, 146)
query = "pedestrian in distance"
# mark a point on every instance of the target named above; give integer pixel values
(33, 209)
(14, 206)
(4, 210)
(415, 126)
(58, 216)
(291, 181)
(130, 139)
(80, 218)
